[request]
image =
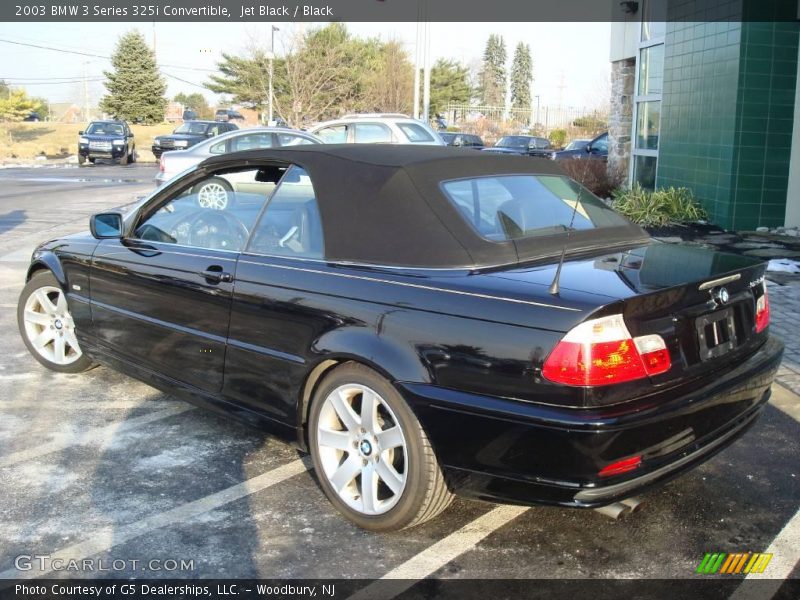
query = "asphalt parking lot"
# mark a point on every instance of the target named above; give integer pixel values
(98, 465)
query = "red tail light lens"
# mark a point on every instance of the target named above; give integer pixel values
(602, 352)
(161, 164)
(621, 466)
(762, 311)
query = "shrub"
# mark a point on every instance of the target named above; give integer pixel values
(558, 137)
(658, 208)
(594, 175)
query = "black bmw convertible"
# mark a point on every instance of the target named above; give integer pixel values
(425, 321)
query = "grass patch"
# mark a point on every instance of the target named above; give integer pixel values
(666, 206)
(59, 140)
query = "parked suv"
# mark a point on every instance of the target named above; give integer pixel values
(228, 114)
(112, 140)
(526, 145)
(377, 129)
(188, 134)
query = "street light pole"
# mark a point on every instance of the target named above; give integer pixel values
(271, 59)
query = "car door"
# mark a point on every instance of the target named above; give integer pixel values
(334, 134)
(161, 297)
(274, 318)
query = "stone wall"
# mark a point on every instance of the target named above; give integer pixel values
(623, 76)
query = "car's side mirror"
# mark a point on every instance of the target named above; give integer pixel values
(106, 225)
(210, 134)
(80, 132)
(589, 149)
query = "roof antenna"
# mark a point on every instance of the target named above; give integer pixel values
(554, 287)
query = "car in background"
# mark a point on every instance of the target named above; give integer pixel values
(109, 140)
(463, 140)
(525, 145)
(577, 145)
(188, 134)
(189, 115)
(392, 128)
(33, 117)
(228, 114)
(217, 191)
(596, 149)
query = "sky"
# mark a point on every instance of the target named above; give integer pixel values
(571, 60)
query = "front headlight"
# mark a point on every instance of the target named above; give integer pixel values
(156, 142)
(119, 142)
(83, 140)
(181, 144)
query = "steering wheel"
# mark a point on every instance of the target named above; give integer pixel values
(216, 230)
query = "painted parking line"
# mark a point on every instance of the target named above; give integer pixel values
(437, 556)
(108, 537)
(97, 435)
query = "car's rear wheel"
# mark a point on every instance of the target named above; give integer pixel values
(214, 193)
(372, 457)
(47, 327)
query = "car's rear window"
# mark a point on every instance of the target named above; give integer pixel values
(507, 207)
(415, 133)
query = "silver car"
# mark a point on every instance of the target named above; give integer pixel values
(377, 128)
(215, 192)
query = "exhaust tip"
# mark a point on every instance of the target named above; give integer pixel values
(634, 503)
(615, 510)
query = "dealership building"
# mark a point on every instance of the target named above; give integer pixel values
(705, 95)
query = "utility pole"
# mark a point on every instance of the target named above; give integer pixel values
(426, 84)
(416, 70)
(271, 59)
(86, 91)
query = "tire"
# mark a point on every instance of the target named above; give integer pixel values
(92, 160)
(36, 319)
(214, 193)
(81, 160)
(133, 155)
(344, 456)
(123, 160)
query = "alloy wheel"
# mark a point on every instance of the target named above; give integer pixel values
(213, 196)
(49, 326)
(362, 449)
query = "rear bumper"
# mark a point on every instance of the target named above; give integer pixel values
(510, 451)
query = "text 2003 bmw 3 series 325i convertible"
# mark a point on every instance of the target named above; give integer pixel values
(400, 313)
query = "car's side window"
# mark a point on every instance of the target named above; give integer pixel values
(372, 133)
(218, 148)
(251, 141)
(335, 134)
(216, 213)
(291, 224)
(287, 139)
(600, 144)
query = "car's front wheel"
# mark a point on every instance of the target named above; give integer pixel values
(372, 457)
(47, 327)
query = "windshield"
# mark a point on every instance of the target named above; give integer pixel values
(507, 207)
(513, 141)
(577, 144)
(193, 128)
(105, 129)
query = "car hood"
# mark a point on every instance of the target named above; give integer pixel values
(191, 137)
(564, 153)
(103, 136)
(504, 150)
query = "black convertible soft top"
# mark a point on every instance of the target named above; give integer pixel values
(383, 204)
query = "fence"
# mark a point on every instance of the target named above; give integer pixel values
(538, 120)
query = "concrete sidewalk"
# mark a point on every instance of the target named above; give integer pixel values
(784, 303)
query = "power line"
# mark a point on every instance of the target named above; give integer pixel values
(184, 80)
(64, 51)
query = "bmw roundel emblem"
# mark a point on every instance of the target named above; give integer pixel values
(722, 296)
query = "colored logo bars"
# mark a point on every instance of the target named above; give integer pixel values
(738, 562)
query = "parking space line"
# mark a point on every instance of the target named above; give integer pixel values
(97, 435)
(108, 537)
(439, 554)
(785, 552)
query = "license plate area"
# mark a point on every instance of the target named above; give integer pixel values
(716, 334)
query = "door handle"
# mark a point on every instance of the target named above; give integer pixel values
(215, 274)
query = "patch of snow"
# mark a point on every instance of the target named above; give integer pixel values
(783, 265)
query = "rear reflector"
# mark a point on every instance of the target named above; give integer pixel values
(621, 466)
(602, 352)
(762, 311)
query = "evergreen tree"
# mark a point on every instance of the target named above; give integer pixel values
(521, 77)
(449, 83)
(135, 87)
(492, 79)
(246, 78)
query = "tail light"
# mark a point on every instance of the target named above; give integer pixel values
(161, 164)
(762, 311)
(602, 352)
(621, 466)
